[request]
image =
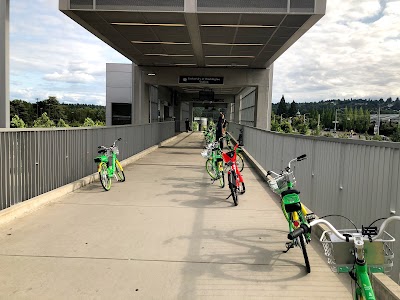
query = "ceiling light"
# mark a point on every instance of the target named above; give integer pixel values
(238, 26)
(230, 56)
(163, 43)
(169, 55)
(180, 65)
(151, 74)
(230, 44)
(227, 65)
(150, 24)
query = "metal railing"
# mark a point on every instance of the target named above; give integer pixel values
(35, 161)
(354, 178)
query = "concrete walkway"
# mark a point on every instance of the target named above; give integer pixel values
(165, 233)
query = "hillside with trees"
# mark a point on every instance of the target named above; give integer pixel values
(353, 116)
(51, 113)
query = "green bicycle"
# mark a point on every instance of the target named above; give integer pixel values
(214, 163)
(358, 252)
(108, 165)
(294, 212)
(239, 156)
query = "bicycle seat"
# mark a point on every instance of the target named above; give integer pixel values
(288, 192)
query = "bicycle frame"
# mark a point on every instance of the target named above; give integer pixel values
(105, 158)
(232, 160)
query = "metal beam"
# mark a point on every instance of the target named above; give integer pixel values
(192, 23)
(4, 64)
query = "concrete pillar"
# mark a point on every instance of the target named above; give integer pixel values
(136, 95)
(264, 102)
(236, 118)
(4, 64)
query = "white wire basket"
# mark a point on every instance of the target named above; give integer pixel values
(116, 150)
(278, 184)
(340, 254)
(206, 153)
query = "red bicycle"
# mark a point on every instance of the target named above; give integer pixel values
(235, 179)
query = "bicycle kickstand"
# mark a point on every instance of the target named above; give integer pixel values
(289, 245)
(230, 195)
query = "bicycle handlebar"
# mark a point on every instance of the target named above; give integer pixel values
(344, 238)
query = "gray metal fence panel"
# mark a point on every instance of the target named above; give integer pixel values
(35, 161)
(357, 179)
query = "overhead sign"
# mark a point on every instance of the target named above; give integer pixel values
(201, 80)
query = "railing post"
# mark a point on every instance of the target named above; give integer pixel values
(4, 64)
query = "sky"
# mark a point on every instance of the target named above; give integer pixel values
(352, 52)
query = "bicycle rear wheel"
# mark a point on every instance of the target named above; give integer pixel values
(221, 179)
(104, 179)
(233, 188)
(302, 239)
(119, 172)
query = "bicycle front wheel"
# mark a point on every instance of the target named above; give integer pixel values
(119, 171)
(211, 170)
(302, 239)
(233, 188)
(104, 178)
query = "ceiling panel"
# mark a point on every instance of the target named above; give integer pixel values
(216, 50)
(295, 20)
(261, 19)
(251, 39)
(211, 19)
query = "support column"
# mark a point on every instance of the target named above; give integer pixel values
(4, 64)
(236, 115)
(264, 102)
(136, 95)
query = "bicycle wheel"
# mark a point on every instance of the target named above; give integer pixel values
(104, 179)
(239, 161)
(119, 172)
(211, 169)
(242, 188)
(233, 188)
(221, 179)
(304, 250)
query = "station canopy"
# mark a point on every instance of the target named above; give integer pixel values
(202, 33)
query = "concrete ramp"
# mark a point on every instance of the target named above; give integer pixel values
(165, 233)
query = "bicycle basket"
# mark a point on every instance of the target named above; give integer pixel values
(206, 153)
(115, 150)
(340, 254)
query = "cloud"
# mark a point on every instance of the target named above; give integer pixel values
(65, 76)
(351, 52)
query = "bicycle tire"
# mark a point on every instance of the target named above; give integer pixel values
(210, 169)
(304, 250)
(104, 178)
(221, 179)
(240, 162)
(233, 188)
(243, 188)
(119, 172)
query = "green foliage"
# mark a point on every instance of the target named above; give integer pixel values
(61, 123)
(99, 124)
(72, 114)
(344, 135)
(89, 123)
(328, 134)
(396, 135)
(16, 122)
(377, 137)
(195, 126)
(282, 109)
(43, 122)
(286, 127)
(293, 109)
(275, 126)
(303, 128)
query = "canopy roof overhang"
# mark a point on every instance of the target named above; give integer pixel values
(202, 33)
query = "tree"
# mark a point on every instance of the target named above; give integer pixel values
(286, 127)
(16, 122)
(282, 109)
(293, 109)
(43, 121)
(302, 128)
(61, 123)
(89, 123)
